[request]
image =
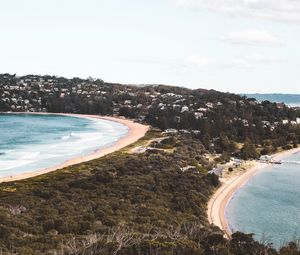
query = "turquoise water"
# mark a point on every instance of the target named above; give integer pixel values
(34, 142)
(269, 204)
(289, 99)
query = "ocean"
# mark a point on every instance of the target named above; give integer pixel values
(292, 100)
(34, 142)
(269, 204)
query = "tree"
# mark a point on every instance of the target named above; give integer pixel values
(249, 151)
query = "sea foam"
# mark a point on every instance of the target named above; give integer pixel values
(38, 142)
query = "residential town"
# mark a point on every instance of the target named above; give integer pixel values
(33, 93)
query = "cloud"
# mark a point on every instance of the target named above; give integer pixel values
(252, 37)
(198, 61)
(252, 60)
(277, 10)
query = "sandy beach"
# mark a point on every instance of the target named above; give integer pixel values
(218, 202)
(135, 132)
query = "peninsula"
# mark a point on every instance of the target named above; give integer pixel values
(149, 199)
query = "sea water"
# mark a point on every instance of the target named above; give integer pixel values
(269, 204)
(34, 142)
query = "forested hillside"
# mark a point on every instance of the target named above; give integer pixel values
(222, 120)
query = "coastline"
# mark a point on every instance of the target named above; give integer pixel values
(135, 132)
(216, 207)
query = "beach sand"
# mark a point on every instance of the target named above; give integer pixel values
(218, 202)
(135, 132)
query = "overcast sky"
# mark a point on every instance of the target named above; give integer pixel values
(227, 45)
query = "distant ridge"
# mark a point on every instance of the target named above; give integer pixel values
(289, 99)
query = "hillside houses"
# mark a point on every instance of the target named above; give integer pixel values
(161, 104)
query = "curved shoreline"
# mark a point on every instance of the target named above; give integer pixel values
(216, 207)
(135, 132)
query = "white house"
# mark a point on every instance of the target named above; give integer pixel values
(184, 109)
(285, 122)
(210, 105)
(201, 109)
(198, 115)
(171, 131)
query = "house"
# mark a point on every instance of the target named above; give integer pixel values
(280, 105)
(127, 102)
(266, 123)
(171, 131)
(236, 162)
(253, 102)
(198, 115)
(184, 109)
(210, 105)
(245, 123)
(217, 171)
(265, 158)
(176, 106)
(184, 131)
(201, 109)
(285, 122)
(196, 132)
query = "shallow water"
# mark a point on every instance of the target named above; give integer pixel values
(269, 204)
(33, 142)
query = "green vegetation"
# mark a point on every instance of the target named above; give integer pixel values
(121, 204)
(142, 194)
(249, 151)
(139, 204)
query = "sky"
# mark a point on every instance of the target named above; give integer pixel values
(241, 46)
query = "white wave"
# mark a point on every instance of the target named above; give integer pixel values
(30, 155)
(98, 134)
(10, 164)
(87, 136)
(65, 137)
